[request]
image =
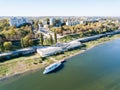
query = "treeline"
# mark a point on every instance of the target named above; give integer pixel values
(86, 29)
(48, 41)
(27, 41)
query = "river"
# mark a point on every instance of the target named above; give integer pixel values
(95, 69)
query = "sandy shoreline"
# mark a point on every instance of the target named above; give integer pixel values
(44, 64)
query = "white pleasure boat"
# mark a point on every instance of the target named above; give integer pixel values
(51, 67)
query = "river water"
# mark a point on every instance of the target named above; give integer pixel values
(95, 69)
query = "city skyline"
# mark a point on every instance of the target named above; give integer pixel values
(59, 8)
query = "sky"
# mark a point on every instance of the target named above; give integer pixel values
(59, 7)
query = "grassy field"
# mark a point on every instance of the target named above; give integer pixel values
(31, 62)
(69, 38)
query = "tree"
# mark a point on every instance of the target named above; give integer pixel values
(22, 43)
(2, 39)
(41, 39)
(61, 30)
(81, 34)
(47, 19)
(104, 30)
(30, 42)
(1, 48)
(51, 39)
(47, 41)
(7, 45)
(26, 41)
(71, 29)
(55, 37)
(13, 34)
(36, 24)
(30, 30)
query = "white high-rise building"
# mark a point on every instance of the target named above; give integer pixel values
(72, 23)
(17, 21)
(52, 21)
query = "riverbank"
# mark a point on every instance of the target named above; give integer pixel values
(27, 63)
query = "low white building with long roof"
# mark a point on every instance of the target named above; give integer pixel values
(48, 51)
(17, 53)
(73, 45)
(58, 48)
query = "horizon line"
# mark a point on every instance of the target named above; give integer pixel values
(58, 16)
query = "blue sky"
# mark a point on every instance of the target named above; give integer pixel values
(59, 7)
